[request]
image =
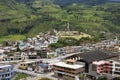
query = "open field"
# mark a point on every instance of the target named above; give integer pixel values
(75, 36)
(12, 37)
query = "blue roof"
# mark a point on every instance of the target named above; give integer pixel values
(43, 65)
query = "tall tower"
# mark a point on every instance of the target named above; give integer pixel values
(68, 27)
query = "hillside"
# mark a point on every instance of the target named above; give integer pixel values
(29, 17)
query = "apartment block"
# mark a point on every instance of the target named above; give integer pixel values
(68, 70)
(101, 66)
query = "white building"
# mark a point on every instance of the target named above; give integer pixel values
(115, 67)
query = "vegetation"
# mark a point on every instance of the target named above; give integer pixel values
(21, 76)
(12, 37)
(117, 78)
(62, 42)
(29, 17)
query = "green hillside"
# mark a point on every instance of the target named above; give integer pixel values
(29, 17)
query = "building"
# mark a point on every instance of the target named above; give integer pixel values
(6, 72)
(42, 53)
(18, 56)
(43, 68)
(3, 57)
(60, 51)
(52, 39)
(115, 67)
(68, 70)
(101, 66)
(32, 55)
(30, 65)
(95, 55)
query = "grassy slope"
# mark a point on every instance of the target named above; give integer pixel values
(12, 37)
(30, 19)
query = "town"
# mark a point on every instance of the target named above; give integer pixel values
(33, 59)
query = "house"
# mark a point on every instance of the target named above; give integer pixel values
(51, 54)
(18, 56)
(42, 53)
(30, 65)
(44, 67)
(60, 51)
(37, 45)
(52, 39)
(68, 70)
(7, 43)
(45, 44)
(22, 45)
(32, 55)
(3, 57)
(6, 72)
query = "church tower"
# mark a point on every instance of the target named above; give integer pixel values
(68, 27)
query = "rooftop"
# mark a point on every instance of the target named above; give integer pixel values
(27, 62)
(71, 60)
(3, 66)
(63, 64)
(95, 55)
(100, 62)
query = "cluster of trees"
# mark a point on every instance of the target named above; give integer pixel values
(62, 42)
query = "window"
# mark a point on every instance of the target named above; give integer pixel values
(5, 75)
(8, 74)
(117, 65)
(11, 73)
(8, 69)
(2, 75)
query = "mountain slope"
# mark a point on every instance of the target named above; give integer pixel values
(32, 16)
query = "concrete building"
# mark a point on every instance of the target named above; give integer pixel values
(6, 72)
(115, 66)
(42, 53)
(30, 65)
(32, 55)
(69, 70)
(101, 66)
(95, 55)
